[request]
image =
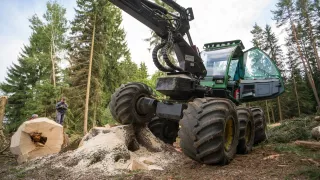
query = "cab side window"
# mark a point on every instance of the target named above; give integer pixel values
(259, 66)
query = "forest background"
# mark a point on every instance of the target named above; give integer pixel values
(63, 55)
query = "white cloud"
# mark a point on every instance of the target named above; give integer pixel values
(214, 21)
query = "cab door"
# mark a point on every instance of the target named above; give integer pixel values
(261, 78)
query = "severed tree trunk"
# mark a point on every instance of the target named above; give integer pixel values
(296, 92)
(36, 138)
(3, 102)
(86, 111)
(310, 78)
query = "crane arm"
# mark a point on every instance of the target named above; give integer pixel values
(171, 28)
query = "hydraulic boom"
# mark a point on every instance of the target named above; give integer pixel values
(171, 27)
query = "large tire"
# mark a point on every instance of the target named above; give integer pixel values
(209, 130)
(164, 129)
(123, 103)
(260, 125)
(246, 129)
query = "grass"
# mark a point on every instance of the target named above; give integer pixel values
(297, 150)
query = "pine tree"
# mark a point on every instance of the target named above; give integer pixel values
(283, 14)
(304, 8)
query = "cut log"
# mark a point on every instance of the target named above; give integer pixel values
(36, 138)
(315, 132)
(308, 144)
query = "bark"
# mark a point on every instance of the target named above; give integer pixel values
(85, 124)
(279, 107)
(312, 39)
(52, 54)
(3, 102)
(268, 114)
(272, 114)
(296, 92)
(308, 144)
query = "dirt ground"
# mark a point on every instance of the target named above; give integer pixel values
(264, 162)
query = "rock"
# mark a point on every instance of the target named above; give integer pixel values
(135, 165)
(317, 118)
(315, 132)
(37, 138)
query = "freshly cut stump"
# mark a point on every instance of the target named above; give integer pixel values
(260, 125)
(246, 136)
(37, 138)
(210, 130)
(164, 129)
(112, 150)
(123, 103)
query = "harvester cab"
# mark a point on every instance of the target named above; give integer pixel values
(239, 75)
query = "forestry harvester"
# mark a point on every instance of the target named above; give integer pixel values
(204, 91)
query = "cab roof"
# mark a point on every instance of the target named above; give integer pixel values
(222, 45)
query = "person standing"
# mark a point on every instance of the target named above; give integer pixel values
(61, 108)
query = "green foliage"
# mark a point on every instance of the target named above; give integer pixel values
(292, 130)
(28, 83)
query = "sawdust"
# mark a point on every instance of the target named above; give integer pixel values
(111, 151)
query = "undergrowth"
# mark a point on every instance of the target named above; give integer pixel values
(297, 150)
(292, 130)
(312, 173)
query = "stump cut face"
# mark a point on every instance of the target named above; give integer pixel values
(36, 138)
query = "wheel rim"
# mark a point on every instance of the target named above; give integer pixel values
(228, 134)
(248, 132)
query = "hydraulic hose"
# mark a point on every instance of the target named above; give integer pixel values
(166, 58)
(156, 60)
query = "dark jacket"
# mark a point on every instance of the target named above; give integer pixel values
(62, 107)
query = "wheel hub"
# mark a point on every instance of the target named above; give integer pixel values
(228, 134)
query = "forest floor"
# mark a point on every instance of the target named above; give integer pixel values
(271, 160)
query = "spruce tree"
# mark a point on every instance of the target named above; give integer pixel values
(271, 46)
(28, 82)
(108, 49)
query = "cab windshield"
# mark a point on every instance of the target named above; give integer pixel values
(216, 61)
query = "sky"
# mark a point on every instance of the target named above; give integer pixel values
(215, 21)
